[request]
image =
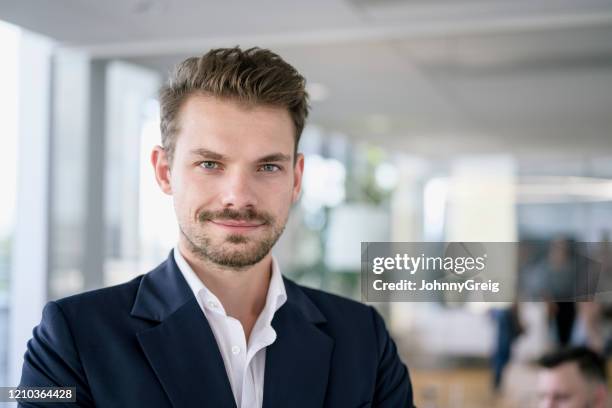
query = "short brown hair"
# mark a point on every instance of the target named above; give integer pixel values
(253, 76)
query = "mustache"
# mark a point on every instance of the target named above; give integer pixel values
(248, 214)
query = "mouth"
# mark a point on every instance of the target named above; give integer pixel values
(237, 226)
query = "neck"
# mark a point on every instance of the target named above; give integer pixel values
(241, 291)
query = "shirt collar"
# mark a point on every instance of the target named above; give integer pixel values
(275, 297)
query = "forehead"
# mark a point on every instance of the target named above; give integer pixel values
(233, 128)
(566, 377)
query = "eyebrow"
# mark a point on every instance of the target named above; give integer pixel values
(209, 154)
(275, 157)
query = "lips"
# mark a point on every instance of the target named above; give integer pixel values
(236, 225)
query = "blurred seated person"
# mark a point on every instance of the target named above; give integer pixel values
(572, 378)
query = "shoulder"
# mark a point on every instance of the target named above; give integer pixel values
(344, 316)
(110, 298)
(332, 304)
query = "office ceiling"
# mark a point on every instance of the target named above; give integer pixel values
(427, 77)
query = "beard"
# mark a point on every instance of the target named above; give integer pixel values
(235, 251)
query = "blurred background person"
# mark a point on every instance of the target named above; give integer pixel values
(508, 329)
(554, 279)
(573, 378)
(588, 330)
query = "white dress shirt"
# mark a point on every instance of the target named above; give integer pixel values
(244, 363)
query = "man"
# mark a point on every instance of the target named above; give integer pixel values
(573, 378)
(216, 324)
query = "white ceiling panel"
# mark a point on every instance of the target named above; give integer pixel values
(432, 77)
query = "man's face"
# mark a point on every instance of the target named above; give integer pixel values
(233, 178)
(565, 387)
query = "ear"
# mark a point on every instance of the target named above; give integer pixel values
(161, 166)
(298, 172)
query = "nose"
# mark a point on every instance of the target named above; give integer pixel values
(238, 191)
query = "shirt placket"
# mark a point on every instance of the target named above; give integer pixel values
(238, 353)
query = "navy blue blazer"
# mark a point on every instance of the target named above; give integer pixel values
(146, 343)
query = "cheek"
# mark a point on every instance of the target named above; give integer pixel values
(191, 198)
(182, 207)
(279, 202)
(272, 189)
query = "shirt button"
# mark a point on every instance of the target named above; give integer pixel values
(212, 304)
(235, 350)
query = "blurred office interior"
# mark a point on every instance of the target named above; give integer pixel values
(431, 121)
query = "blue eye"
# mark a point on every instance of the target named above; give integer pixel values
(209, 165)
(270, 168)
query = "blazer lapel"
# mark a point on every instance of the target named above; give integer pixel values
(297, 363)
(181, 349)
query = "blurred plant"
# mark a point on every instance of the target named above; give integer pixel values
(366, 182)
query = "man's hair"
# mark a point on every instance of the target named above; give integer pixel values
(253, 77)
(591, 365)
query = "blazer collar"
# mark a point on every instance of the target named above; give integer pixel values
(164, 289)
(161, 292)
